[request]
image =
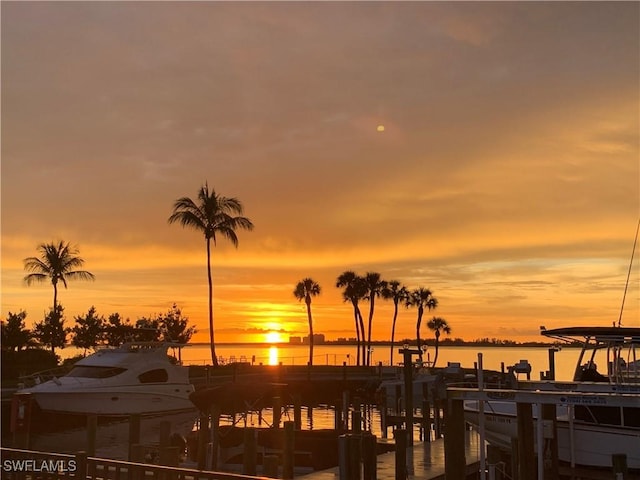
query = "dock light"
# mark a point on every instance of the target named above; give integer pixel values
(405, 346)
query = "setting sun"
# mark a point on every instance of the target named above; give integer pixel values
(274, 337)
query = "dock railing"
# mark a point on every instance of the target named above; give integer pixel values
(19, 464)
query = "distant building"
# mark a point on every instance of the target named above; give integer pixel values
(295, 340)
(318, 338)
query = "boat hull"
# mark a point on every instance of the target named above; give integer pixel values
(115, 403)
(593, 445)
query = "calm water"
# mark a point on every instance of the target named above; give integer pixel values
(288, 354)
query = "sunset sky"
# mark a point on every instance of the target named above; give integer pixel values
(506, 178)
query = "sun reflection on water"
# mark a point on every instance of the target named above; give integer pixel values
(273, 355)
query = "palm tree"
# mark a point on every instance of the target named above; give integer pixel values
(212, 215)
(353, 292)
(374, 286)
(397, 292)
(57, 262)
(421, 298)
(305, 289)
(437, 325)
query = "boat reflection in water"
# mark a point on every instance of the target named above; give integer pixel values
(112, 439)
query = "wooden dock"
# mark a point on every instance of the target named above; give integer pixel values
(425, 461)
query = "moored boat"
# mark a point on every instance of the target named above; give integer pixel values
(589, 432)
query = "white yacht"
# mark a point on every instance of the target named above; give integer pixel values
(135, 378)
(588, 433)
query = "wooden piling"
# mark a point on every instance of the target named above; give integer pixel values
(81, 465)
(134, 434)
(526, 452)
(400, 436)
(369, 456)
(619, 463)
(551, 470)
(203, 441)
(92, 432)
(297, 411)
(408, 395)
(356, 421)
(288, 451)
(270, 466)
(214, 434)
(337, 419)
(454, 440)
(277, 407)
(250, 451)
(349, 457)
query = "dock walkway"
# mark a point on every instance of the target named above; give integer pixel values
(425, 461)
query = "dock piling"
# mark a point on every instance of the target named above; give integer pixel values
(250, 451)
(288, 452)
(400, 436)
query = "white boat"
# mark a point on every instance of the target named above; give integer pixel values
(587, 434)
(135, 378)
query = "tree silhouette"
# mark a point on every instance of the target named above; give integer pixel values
(305, 289)
(438, 325)
(117, 330)
(354, 291)
(58, 263)
(51, 332)
(421, 298)
(14, 334)
(398, 293)
(212, 215)
(89, 331)
(374, 286)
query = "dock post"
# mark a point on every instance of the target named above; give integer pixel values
(526, 454)
(277, 406)
(250, 451)
(408, 394)
(349, 457)
(383, 415)
(454, 440)
(81, 465)
(297, 411)
(400, 436)
(551, 470)
(552, 364)
(619, 462)
(203, 440)
(288, 453)
(345, 409)
(92, 431)
(356, 421)
(337, 418)
(426, 414)
(214, 434)
(270, 466)
(493, 458)
(134, 433)
(369, 457)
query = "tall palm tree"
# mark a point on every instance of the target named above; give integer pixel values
(421, 298)
(57, 262)
(211, 215)
(353, 292)
(374, 286)
(438, 325)
(305, 289)
(397, 292)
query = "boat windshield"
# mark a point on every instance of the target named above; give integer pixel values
(90, 371)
